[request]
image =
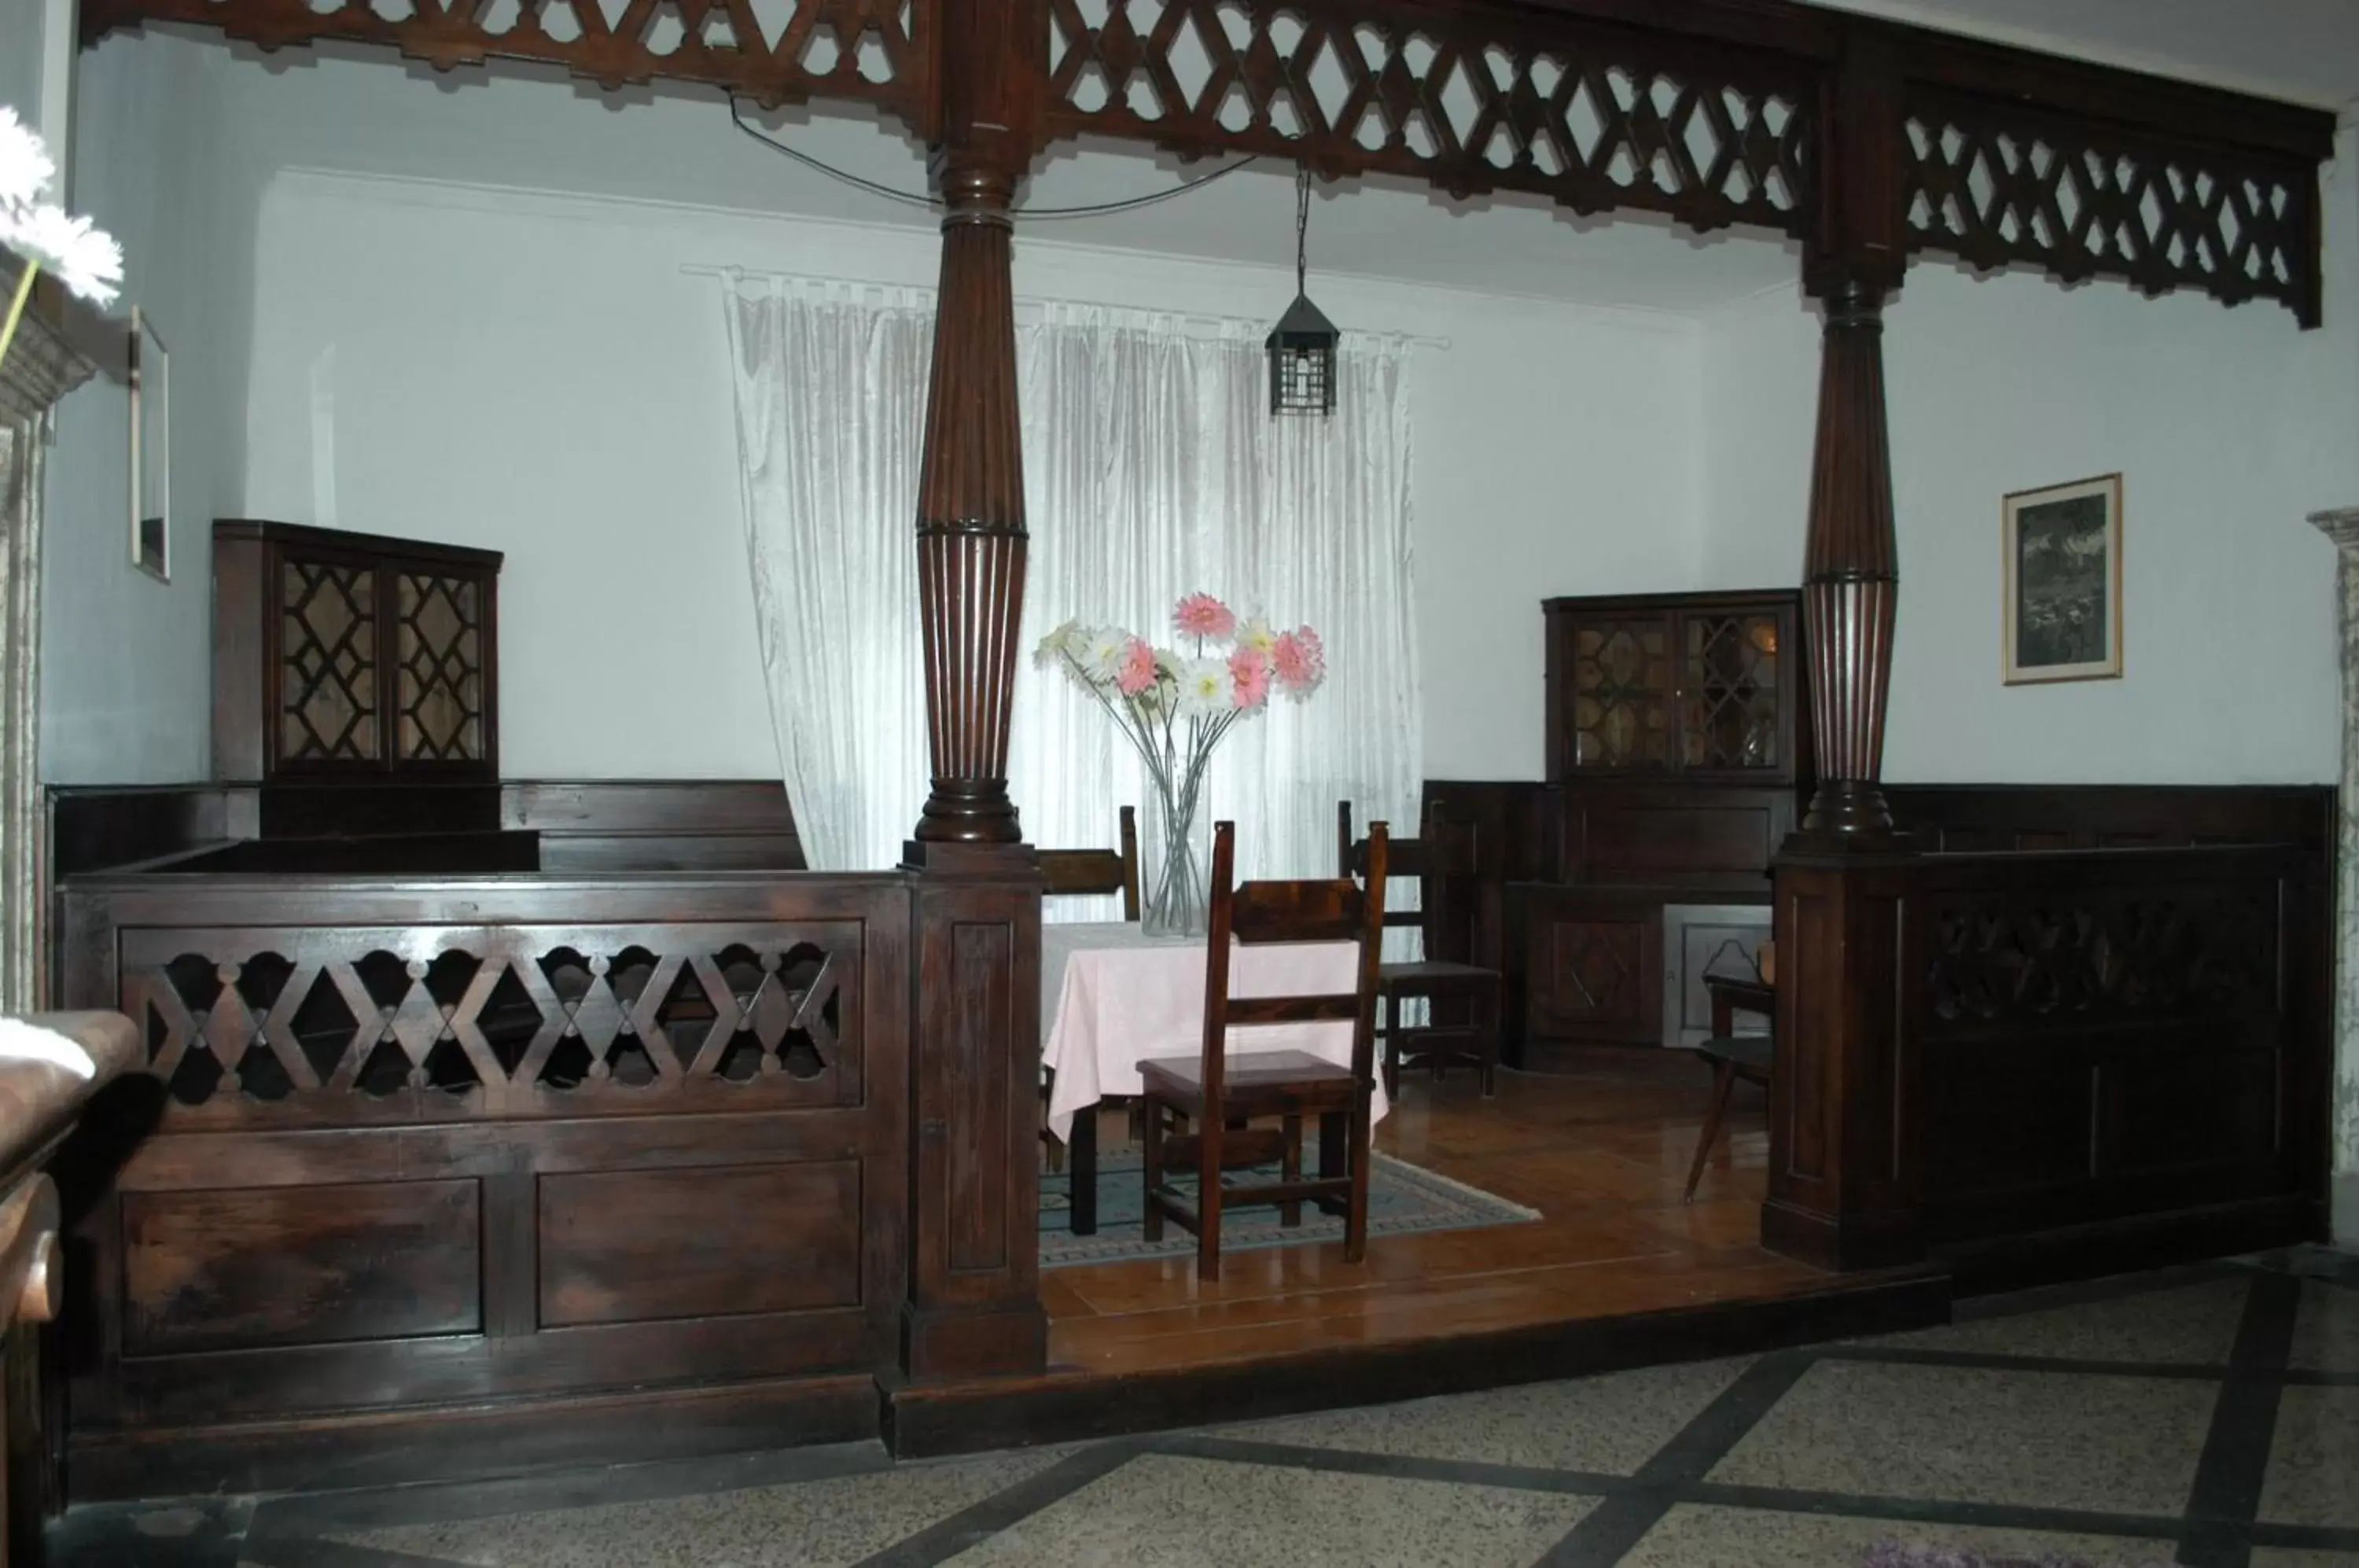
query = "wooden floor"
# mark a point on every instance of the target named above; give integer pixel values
(1602, 1151)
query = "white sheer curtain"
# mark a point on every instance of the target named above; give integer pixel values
(831, 388)
(1152, 469)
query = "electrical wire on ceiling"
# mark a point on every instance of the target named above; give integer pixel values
(1094, 209)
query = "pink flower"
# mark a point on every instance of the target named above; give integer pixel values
(1202, 616)
(1135, 673)
(1249, 669)
(1300, 661)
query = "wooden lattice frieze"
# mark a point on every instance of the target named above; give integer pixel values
(774, 51)
(510, 1020)
(1999, 960)
(1992, 186)
(439, 668)
(1594, 118)
(328, 705)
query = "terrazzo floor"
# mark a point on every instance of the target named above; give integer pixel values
(2203, 1415)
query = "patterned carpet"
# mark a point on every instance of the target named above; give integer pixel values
(1402, 1199)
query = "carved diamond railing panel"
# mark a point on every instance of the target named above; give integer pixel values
(1992, 185)
(774, 51)
(325, 1025)
(2008, 960)
(328, 699)
(1593, 118)
(439, 668)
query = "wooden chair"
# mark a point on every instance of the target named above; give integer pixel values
(1069, 873)
(1219, 1088)
(1471, 993)
(1732, 1056)
(1065, 872)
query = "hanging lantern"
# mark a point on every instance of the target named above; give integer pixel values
(1301, 347)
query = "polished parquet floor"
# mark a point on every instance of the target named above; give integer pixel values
(1601, 1151)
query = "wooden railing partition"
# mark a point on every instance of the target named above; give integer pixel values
(1983, 1056)
(454, 1154)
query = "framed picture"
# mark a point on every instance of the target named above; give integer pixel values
(2063, 569)
(151, 450)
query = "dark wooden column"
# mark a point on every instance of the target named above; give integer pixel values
(1835, 1194)
(974, 1299)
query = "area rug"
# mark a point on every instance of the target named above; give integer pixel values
(1403, 1199)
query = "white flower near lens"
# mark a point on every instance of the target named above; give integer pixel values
(26, 170)
(1101, 653)
(45, 236)
(82, 255)
(1203, 687)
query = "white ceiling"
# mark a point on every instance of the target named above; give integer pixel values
(363, 111)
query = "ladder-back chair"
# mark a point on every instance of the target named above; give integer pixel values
(1445, 849)
(1219, 1086)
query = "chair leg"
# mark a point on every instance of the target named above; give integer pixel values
(1208, 1196)
(1333, 1134)
(1723, 1079)
(1290, 1167)
(1083, 1156)
(1487, 1011)
(1387, 1012)
(1355, 1219)
(1152, 1221)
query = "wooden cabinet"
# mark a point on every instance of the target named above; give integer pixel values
(1679, 750)
(1703, 687)
(351, 657)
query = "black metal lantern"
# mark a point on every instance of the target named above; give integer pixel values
(1301, 347)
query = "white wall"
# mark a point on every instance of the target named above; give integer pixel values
(2228, 426)
(159, 162)
(535, 373)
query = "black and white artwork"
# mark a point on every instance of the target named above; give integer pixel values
(2063, 551)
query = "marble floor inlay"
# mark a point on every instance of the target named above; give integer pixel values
(2204, 1417)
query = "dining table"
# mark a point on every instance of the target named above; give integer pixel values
(1112, 996)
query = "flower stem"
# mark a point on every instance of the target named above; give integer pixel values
(16, 307)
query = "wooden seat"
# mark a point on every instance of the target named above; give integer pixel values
(1468, 994)
(1219, 1087)
(1732, 1056)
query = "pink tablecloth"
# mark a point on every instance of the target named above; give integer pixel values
(1128, 999)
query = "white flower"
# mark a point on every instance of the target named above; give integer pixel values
(85, 258)
(1101, 653)
(1256, 634)
(1203, 687)
(25, 167)
(1053, 648)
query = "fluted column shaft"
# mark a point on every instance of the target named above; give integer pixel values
(971, 533)
(1851, 581)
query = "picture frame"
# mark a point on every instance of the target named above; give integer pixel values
(2061, 546)
(151, 448)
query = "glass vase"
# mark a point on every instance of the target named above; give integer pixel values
(1175, 868)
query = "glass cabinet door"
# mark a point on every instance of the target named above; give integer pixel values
(1732, 691)
(328, 680)
(440, 673)
(1622, 692)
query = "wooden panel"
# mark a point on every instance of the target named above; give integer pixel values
(222, 1269)
(1628, 842)
(1957, 818)
(638, 1246)
(1594, 972)
(657, 824)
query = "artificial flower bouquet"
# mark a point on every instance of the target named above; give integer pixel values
(45, 236)
(1174, 705)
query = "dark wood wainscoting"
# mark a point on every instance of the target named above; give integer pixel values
(425, 1154)
(2026, 1064)
(708, 824)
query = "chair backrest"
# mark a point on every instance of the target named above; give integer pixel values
(1445, 849)
(1340, 909)
(1068, 871)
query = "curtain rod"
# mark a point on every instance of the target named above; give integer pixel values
(1032, 301)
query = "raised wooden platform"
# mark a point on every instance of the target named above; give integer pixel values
(1617, 1273)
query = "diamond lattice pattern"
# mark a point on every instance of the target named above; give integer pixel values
(328, 631)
